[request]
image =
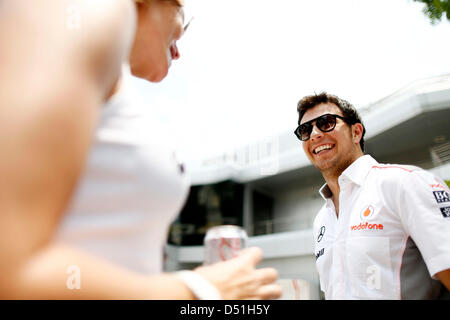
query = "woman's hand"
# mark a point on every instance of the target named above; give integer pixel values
(238, 278)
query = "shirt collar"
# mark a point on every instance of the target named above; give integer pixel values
(325, 192)
(356, 172)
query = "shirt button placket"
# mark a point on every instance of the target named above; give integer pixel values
(344, 216)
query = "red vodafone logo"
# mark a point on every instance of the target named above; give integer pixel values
(367, 226)
(367, 213)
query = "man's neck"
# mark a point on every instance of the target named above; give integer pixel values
(332, 182)
(331, 178)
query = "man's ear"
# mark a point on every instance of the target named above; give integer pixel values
(357, 132)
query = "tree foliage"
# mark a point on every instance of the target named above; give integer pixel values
(435, 9)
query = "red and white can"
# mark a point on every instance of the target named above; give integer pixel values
(223, 243)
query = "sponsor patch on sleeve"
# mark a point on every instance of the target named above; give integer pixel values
(441, 196)
(445, 212)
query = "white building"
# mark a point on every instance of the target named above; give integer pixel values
(271, 189)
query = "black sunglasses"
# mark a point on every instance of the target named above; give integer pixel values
(325, 123)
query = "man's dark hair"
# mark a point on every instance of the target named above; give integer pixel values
(348, 111)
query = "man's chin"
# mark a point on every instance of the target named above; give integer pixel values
(323, 167)
(327, 166)
(333, 167)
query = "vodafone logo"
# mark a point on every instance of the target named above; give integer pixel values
(367, 226)
(367, 213)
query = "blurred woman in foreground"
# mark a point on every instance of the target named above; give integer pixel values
(55, 78)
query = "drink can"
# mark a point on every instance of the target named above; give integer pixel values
(223, 243)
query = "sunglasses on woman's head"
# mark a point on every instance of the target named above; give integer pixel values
(324, 123)
(187, 24)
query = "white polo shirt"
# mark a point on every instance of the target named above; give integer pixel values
(391, 236)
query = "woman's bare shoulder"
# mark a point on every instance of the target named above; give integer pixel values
(92, 37)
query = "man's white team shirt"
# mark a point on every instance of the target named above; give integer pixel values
(391, 236)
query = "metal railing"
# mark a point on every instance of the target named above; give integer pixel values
(282, 224)
(262, 227)
(440, 154)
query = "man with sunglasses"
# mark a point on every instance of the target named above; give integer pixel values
(383, 230)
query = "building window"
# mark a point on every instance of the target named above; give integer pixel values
(262, 205)
(207, 206)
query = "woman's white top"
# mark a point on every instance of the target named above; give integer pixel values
(131, 189)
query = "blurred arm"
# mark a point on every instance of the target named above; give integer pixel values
(61, 272)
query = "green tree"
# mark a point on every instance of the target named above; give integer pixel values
(435, 9)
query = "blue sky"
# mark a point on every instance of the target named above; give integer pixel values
(245, 64)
